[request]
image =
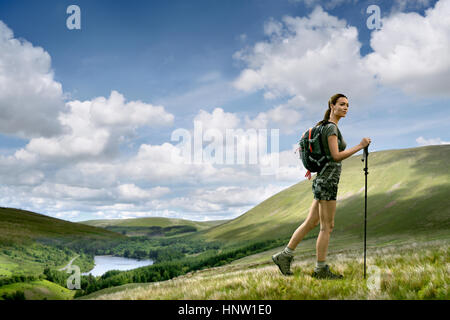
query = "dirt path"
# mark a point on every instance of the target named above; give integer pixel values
(69, 264)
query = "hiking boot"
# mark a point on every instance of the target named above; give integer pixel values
(325, 273)
(283, 261)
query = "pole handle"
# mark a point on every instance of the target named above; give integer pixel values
(365, 153)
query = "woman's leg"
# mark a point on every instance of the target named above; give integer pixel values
(327, 210)
(284, 258)
(311, 221)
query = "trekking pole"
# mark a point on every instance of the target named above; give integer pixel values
(365, 158)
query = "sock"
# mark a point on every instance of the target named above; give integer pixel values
(289, 251)
(320, 265)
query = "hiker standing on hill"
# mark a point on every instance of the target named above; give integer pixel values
(325, 187)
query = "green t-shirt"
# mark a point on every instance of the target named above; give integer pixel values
(332, 129)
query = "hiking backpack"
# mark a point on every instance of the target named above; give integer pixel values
(311, 150)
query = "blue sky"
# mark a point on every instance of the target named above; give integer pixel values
(106, 98)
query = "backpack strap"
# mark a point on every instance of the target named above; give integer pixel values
(322, 149)
(310, 147)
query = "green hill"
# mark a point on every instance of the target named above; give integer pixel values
(38, 290)
(407, 194)
(408, 238)
(20, 226)
(411, 271)
(30, 242)
(153, 226)
(151, 222)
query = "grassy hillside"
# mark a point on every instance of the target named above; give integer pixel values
(20, 226)
(408, 210)
(418, 270)
(151, 222)
(407, 193)
(29, 242)
(38, 290)
(408, 233)
(153, 226)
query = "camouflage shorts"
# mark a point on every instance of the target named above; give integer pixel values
(325, 184)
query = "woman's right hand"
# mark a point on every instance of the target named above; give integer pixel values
(365, 142)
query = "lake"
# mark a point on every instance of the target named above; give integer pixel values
(106, 263)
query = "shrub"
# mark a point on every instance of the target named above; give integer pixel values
(17, 295)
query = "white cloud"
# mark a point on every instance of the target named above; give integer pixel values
(131, 192)
(260, 121)
(67, 214)
(236, 196)
(97, 127)
(411, 52)
(115, 112)
(432, 141)
(304, 56)
(291, 168)
(30, 98)
(61, 191)
(218, 120)
(163, 164)
(190, 205)
(282, 117)
(287, 118)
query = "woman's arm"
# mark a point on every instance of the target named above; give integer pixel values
(339, 156)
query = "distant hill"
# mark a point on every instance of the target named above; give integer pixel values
(408, 192)
(19, 226)
(150, 222)
(30, 242)
(153, 226)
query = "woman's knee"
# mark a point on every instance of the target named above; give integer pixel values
(312, 223)
(327, 227)
(313, 218)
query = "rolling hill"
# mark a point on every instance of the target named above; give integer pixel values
(20, 226)
(408, 238)
(408, 193)
(151, 222)
(153, 226)
(408, 203)
(29, 242)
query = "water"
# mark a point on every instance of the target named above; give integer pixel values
(106, 263)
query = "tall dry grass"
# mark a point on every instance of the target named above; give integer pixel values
(412, 271)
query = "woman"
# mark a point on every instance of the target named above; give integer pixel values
(324, 187)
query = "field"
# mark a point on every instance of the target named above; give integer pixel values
(151, 222)
(417, 270)
(38, 290)
(153, 226)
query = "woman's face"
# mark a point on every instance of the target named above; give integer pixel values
(340, 109)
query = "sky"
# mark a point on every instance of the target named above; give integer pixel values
(142, 109)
